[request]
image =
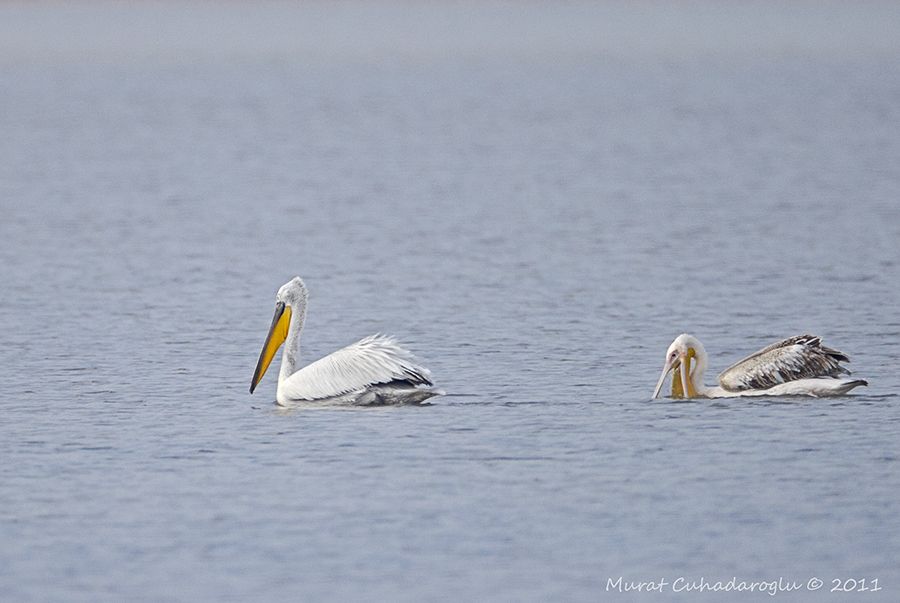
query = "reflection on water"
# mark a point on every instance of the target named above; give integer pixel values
(535, 216)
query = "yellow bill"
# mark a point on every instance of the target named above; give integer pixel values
(682, 383)
(677, 386)
(682, 386)
(277, 334)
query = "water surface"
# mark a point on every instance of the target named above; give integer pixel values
(536, 200)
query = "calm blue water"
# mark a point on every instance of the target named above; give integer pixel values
(536, 200)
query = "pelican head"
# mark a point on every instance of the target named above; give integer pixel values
(683, 350)
(291, 296)
(293, 293)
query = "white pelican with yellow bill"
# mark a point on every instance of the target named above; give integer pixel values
(373, 371)
(797, 366)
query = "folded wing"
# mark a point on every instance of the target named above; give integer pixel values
(370, 361)
(800, 357)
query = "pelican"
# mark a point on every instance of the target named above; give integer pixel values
(372, 371)
(797, 366)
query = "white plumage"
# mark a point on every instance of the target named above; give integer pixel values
(377, 359)
(798, 365)
(372, 371)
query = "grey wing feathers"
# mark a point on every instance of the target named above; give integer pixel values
(374, 360)
(800, 357)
